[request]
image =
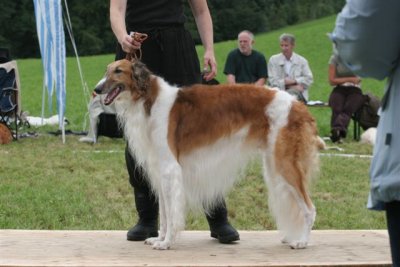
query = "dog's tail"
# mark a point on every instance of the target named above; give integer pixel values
(300, 141)
(297, 156)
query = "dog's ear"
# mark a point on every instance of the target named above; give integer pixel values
(141, 76)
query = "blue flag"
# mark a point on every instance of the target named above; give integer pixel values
(50, 30)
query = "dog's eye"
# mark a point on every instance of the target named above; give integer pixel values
(117, 70)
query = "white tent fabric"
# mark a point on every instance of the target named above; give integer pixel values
(49, 24)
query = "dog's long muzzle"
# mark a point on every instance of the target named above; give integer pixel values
(100, 86)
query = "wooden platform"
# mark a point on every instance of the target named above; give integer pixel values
(194, 248)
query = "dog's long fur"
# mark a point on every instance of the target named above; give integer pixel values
(193, 141)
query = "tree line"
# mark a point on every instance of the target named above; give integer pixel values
(93, 35)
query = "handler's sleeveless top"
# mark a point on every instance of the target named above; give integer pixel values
(154, 14)
(169, 50)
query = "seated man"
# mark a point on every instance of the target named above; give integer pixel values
(244, 64)
(290, 71)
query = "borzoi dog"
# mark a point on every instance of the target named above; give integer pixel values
(193, 141)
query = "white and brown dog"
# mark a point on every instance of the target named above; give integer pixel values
(193, 141)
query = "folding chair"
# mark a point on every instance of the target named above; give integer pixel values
(9, 92)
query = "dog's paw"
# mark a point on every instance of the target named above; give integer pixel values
(152, 240)
(161, 245)
(298, 244)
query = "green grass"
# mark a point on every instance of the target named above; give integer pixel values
(45, 184)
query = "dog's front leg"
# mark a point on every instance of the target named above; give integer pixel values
(173, 202)
(163, 222)
(163, 219)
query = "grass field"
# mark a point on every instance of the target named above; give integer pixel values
(45, 184)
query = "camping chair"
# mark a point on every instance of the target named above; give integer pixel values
(9, 92)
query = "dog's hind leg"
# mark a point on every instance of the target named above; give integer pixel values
(289, 201)
(290, 163)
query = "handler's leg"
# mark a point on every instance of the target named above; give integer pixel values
(146, 203)
(220, 228)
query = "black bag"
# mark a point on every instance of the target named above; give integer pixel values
(108, 126)
(367, 115)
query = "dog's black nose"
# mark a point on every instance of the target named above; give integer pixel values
(99, 86)
(98, 90)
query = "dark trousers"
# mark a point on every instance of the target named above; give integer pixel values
(344, 102)
(393, 223)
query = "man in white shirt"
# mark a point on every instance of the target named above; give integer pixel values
(290, 71)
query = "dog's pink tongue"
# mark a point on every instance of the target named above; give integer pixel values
(112, 95)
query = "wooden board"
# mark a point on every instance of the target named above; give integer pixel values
(193, 248)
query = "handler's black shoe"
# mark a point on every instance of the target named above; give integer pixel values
(220, 228)
(141, 231)
(225, 233)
